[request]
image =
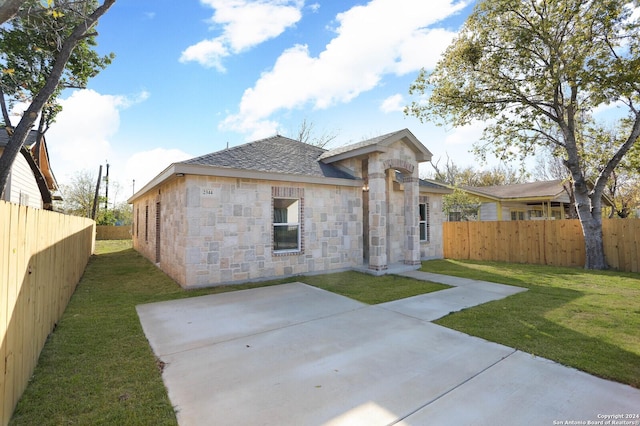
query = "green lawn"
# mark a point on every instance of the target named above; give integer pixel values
(589, 320)
(97, 367)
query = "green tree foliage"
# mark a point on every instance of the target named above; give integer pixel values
(534, 71)
(78, 196)
(44, 50)
(460, 205)
(29, 48)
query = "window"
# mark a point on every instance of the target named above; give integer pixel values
(533, 214)
(146, 223)
(157, 232)
(424, 220)
(517, 214)
(455, 217)
(286, 224)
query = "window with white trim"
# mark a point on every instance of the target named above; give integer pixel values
(286, 225)
(423, 221)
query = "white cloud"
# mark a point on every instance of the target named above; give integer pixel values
(393, 103)
(245, 24)
(144, 166)
(80, 139)
(611, 109)
(465, 135)
(383, 37)
(207, 52)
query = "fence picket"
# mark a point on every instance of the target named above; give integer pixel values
(42, 257)
(550, 242)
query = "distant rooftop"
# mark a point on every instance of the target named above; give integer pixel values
(549, 188)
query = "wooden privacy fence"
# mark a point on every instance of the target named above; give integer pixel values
(42, 257)
(104, 232)
(544, 242)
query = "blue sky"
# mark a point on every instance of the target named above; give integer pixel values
(192, 76)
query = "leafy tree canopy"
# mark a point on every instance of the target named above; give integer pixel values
(534, 71)
(29, 45)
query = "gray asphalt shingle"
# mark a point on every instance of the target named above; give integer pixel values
(277, 154)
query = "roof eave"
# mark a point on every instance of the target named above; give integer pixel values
(360, 152)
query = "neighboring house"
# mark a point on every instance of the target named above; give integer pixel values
(31, 181)
(526, 201)
(279, 207)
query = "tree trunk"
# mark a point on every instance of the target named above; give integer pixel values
(8, 8)
(593, 244)
(590, 215)
(31, 114)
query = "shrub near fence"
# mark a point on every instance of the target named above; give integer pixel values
(42, 257)
(104, 232)
(545, 242)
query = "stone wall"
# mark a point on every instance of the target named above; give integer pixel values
(433, 249)
(173, 222)
(220, 230)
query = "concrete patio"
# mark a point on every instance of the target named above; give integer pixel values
(296, 355)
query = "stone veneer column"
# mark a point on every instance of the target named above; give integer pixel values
(411, 219)
(377, 215)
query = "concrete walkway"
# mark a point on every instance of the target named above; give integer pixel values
(296, 355)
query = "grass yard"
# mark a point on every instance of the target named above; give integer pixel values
(588, 320)
(97, 366)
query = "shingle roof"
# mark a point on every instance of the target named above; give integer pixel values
(433, 185)
(276, 154)
(4, 137)
(524, 190)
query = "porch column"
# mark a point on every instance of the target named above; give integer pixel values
(411, 220)
(377, 215)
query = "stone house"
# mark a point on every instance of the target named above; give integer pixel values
(278, 207)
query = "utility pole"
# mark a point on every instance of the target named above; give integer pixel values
(106, 191)
(95, 197)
